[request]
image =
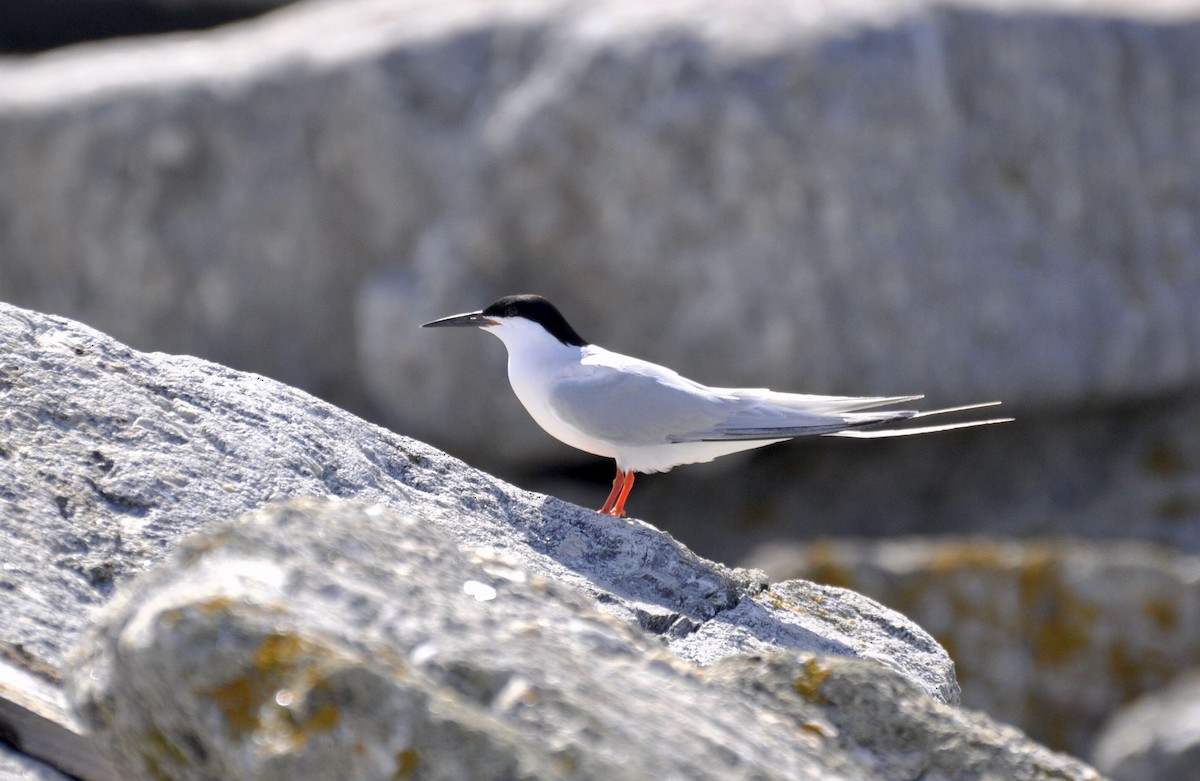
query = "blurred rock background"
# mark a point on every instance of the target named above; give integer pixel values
(973, 199)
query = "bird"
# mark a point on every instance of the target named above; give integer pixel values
(649, 418)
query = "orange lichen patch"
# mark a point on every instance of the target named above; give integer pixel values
(1163, 612)
(808, 684)
(278, 651)
(1127, 670)
(406, 763)
(1137, 670)
(773, 600)
(1060, 624)
(818, 729)
(967, 555)
(323, 719)
(216, 605)
(824, 565)
(248, 701)
(239, 701)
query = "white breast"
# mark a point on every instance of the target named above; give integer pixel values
(536, 361)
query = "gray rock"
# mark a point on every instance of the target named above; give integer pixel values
(108, 457)
(15, 766)
(973, 200)
(1155, 737)
(35, 722)
(328, 639)
(888, 725)
(348, 642)
(1050, 636)
(846, 183)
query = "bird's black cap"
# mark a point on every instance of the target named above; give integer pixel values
(540, 311)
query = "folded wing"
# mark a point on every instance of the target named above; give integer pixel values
(636, 403)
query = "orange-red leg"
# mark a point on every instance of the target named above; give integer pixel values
(619, 509)
(622, 485)
(618, 482)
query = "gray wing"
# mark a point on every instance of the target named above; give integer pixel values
(632, 402)
(631, 407)
(766, 420)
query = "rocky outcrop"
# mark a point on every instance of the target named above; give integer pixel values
(460, 606)
(1051, 636)
(332, 640)
(111, 456)
(1156, 736)
(972, 199)
(959, 184)
(15, 766)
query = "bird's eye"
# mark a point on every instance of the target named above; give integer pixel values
(510, 311)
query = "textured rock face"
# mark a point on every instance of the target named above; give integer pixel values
(1053, 637)
(110, 456)
(337, 640)
(847, 183)
(972, 200)
(542, 636)
(1155, 737)
(975, 200)
(18, 767)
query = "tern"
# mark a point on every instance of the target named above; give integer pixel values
(649, 418)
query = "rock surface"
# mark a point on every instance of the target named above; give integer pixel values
(975, 200)
(109, 457)
(329, 639)
(1155, 737)
(848, 182)
(1051, 636)
(15, 766)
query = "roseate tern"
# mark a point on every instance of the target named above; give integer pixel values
(650, 418)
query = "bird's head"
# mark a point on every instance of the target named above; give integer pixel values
(516, 320)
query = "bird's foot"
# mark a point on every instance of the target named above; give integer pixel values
(615, 504)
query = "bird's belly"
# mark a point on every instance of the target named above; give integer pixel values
(538, 407)
(663, 458)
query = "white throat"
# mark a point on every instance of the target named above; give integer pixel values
(536, 362)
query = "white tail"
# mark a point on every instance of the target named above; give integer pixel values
(908, 432)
